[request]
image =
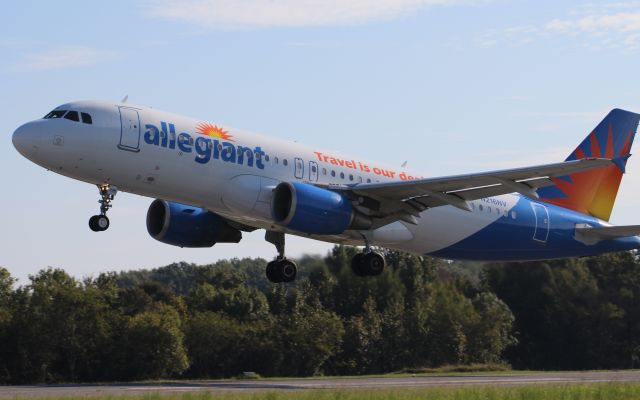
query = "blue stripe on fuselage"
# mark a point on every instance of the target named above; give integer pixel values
(509, 239)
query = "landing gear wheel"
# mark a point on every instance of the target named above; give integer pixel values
(367, 264)
(373, 263)
(357, 265)
(103, 222)
(271, 273)
(287, 270)
(93, 223)
(282, 270)
(99, 223)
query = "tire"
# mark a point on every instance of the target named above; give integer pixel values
(357, 265)
(93, 223)
(287, 270)
(373, 263)
(102, 222)
(271, 272)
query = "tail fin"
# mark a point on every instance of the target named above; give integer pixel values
(594, 192)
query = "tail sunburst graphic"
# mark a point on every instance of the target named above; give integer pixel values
(594, 192)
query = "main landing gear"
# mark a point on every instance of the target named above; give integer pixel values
(99, 223)
(281, 269)
(367, 263)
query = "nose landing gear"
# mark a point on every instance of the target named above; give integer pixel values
(281, 269)
(99, 223)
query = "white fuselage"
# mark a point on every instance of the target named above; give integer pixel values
(162, 155)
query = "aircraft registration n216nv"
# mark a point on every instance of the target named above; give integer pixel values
(211, 183)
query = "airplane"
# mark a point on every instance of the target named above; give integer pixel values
(211, 183)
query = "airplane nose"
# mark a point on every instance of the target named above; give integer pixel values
(25, 140)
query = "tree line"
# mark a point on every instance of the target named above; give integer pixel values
(207, 321)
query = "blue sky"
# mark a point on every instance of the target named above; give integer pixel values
(450, 86)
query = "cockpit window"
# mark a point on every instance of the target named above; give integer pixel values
(55, 114)
(86, 118)
(73, 116)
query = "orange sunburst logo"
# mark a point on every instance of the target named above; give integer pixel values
(214, 131)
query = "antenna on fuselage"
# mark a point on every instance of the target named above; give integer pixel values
(124, 99)
(404, 164)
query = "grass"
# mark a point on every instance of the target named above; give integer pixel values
(598, 391)
(447, 370)
(461, 368)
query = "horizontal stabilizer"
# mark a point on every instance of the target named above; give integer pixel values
(591, 235)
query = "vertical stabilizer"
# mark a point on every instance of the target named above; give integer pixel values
(594, 192)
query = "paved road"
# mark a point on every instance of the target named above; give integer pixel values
(318, 384)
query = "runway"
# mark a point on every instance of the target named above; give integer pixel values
(319, 384)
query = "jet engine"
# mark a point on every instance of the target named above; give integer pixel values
(315, 210)
(187, 226)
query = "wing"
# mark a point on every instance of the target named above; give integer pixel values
(405, 200)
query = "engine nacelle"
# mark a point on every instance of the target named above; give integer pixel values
(314, 210)
(186, 226)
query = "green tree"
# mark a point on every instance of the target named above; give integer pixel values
(572, 314)
(155, 344)
(6, 315)
(240, 302)
(307, 337)
(220, 346)
(490, 330)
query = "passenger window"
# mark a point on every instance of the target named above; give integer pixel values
(73, 116)
(285, 162)
(350, 177)
(341, 175)
(333, 173)
(368, 180)
(275, 160)
(324, 171)
(266, 157)
(480, 207)
(55, 114)
(86, 118)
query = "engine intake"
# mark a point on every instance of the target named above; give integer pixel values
(187, 226)
(311, 209)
